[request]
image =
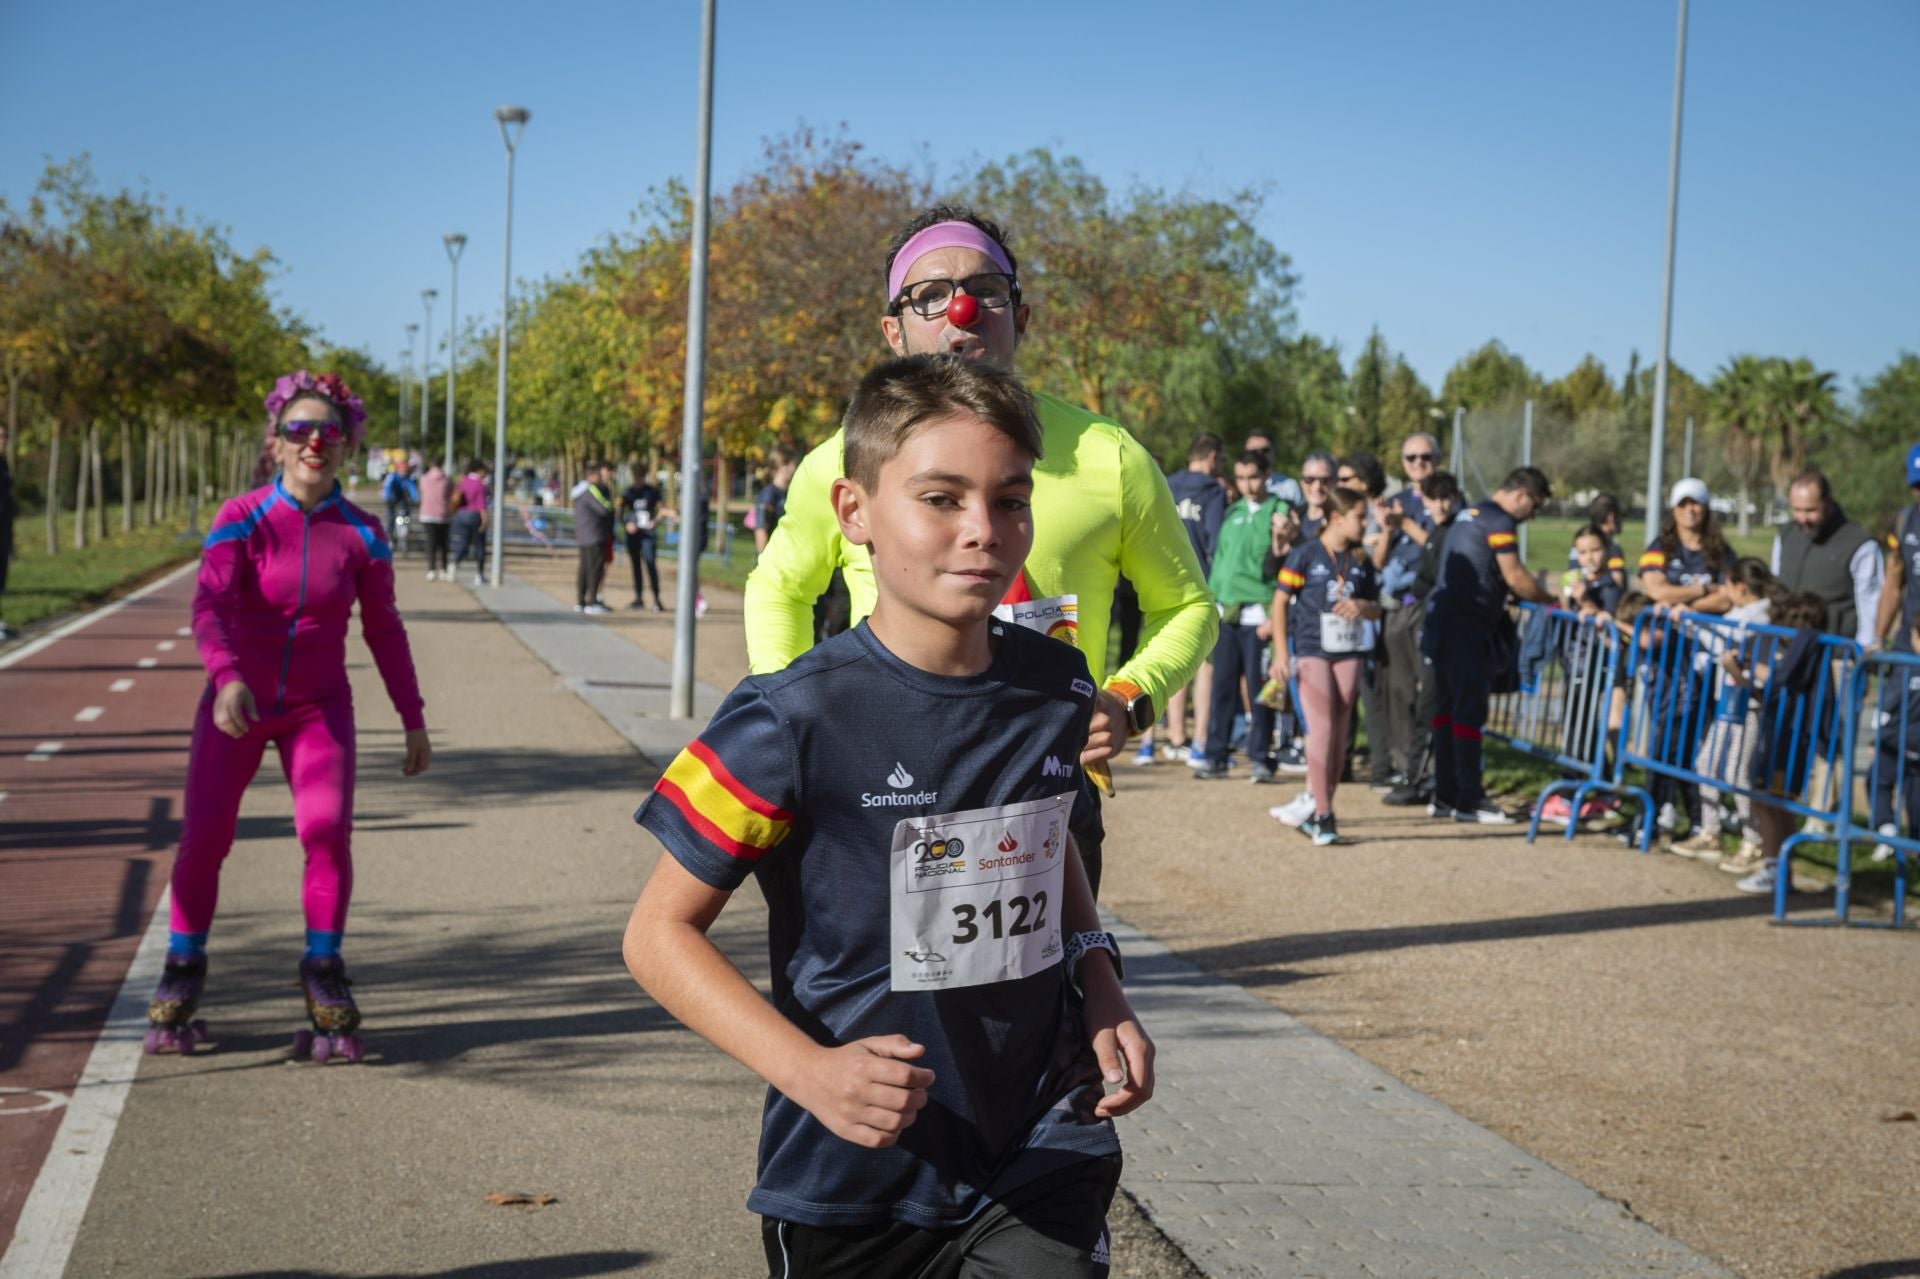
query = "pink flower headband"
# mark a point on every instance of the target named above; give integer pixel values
(329, 387)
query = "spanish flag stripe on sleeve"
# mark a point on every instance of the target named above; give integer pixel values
(1291, 580)
(1498, 540)
(715, 809)
(733, 784)
(1617, 561)
(1653, 559)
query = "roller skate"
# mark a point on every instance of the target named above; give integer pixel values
(170, 1019)
(331, 1009)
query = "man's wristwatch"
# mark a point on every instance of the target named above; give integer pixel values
(1140, 712)
(1080, 943)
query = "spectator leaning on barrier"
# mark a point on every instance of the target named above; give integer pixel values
(1101, 508)
(593, 534)
(1899, 602)
(1466, 622)
(1242, 591)
(1201, 500)
(1604, 514)
(1827, 554)
(1683, 571)
(1408, 524)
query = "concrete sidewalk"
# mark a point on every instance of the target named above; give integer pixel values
(511, 1053)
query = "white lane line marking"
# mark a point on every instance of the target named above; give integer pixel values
(49, 1222)
(44, 752)
(120, 686)
(88, 714)
(184, 630)
(25, 651)
(3, 797)
(165, 646)
(147, 663)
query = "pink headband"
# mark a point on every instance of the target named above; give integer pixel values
(942, 235)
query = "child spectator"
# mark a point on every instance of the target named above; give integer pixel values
(944, 1009)
(1726, 752)
(1590, 585)
(1789, 732)
(1336, 623)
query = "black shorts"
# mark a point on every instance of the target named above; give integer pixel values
(1053, 1226)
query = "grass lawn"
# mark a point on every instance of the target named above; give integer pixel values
(1550, 537)
(41, 586)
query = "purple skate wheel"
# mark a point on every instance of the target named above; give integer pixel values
(302, 1042)
(349, 1046)
(200, 1027)
(185, 1041)
(150, 1042)
(322, 1049)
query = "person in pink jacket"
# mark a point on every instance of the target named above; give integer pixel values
(282, 570)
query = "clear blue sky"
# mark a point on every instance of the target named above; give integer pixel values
(1448, 172)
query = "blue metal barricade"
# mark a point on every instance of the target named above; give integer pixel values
(1882, 720)
(1569, 662)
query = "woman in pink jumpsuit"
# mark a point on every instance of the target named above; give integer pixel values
(282, 569)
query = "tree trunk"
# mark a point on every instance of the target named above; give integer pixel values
(53, 489)
(99, 490)
(1746, 520)
(722, 490)
(126, 476)
(146, 477)
(80, 495)
(13, 417)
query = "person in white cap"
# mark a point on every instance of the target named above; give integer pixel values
(1684, 570)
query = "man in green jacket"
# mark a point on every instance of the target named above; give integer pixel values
(1101, 507)
(1243, 592)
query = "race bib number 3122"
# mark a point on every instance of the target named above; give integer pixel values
(976, 895)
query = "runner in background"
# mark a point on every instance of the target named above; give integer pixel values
(640, 505)
(283, 569)
(1101, 507)
(471, 511)
(436, 490)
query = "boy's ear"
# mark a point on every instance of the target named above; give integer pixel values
(850, 508)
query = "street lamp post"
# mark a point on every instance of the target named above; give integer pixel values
(1657, 449)
(687, 584)
(513, 123)
(455, 242)
(426, 365)
(412, 329)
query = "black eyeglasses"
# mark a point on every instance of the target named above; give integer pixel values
(1416, 457)
(929, 298)
(1316, 479)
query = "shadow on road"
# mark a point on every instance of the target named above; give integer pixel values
(561, 1267)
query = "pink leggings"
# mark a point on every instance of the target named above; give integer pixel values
(315, 740)
(1327, 690)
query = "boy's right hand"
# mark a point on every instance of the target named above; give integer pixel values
(865, 1092)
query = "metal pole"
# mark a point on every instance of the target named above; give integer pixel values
(1459, 444)
(508, 117)
(406, 413)
(687, 585)
(1526, 459)
(1686, 452)
(426, 365)
(455, 242)
(1657, 449)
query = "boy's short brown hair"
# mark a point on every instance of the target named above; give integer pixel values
(897, 396)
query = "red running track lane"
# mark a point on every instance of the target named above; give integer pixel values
(86, 845)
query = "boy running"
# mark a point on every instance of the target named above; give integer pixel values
(943, 1010)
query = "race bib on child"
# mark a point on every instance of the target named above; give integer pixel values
(1056, 616)
(976, 895)
(1338, 635)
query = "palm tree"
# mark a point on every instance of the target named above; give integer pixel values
(1735, 411)
(1770, 413)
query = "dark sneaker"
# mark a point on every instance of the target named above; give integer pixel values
(1405, 797)
(1262, 774)
(1291, 760)
(1484, 814)
(1440, 809)
(1211, 771)
(1321, 830)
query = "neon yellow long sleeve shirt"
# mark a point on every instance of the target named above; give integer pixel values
(1101, 511)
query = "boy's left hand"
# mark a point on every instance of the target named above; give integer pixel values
(1120, 1044)
(419, 753)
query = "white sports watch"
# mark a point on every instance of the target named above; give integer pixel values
(1080, 943)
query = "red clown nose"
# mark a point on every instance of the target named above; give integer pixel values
(962, 311)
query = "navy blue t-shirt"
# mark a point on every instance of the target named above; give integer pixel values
(1403, 549)
(1202, 504)
(800, 780)
(1683, 566)
(1316, 579)
(1471, 589)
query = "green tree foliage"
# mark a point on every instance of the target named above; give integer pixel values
(1586, 388)
(1864, 462)
(1489, 378)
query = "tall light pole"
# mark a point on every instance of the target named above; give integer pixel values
(513, 123)
(426, 365)
(412, 329)
(1657, 450)
(455, 242)
(687, 582)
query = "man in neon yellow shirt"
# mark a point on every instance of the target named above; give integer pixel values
(1101, 507)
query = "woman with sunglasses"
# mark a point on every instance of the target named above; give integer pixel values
(282, 570)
